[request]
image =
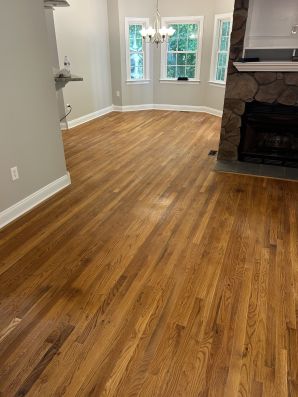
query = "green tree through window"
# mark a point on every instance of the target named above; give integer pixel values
(182, 51)
(136, 52)
(223, 50)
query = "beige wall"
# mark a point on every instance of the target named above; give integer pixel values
(82, 35)
(202, 94)
(30, 136)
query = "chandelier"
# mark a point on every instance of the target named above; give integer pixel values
(157, 34)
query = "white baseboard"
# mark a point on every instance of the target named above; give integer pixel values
(25, 205)
(214, 112)
(135, 108)
(176, 108)
(89, 117)
(63, 125)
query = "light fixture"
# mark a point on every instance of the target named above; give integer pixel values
(157, 34)
(295, 29)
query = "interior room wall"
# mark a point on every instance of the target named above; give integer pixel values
(92, 34)
(83, 35)
(49, 14)
(202, 94)
(115, 52)
(30, 136)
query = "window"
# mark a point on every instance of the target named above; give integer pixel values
(137, 57)
(181, 56)
(221, 48)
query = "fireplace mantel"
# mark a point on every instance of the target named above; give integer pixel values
(268, 66)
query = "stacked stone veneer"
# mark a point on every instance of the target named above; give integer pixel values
(245, 87)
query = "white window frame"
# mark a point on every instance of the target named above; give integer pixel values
(180, 20)
(145, 24)
(218, 19)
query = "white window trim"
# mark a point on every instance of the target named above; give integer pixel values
(170, 20)
(217, 19)
(179, 82)
(145, 23)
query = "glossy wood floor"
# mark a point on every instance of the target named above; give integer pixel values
(152, 275)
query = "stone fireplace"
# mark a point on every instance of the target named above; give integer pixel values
(275, 94)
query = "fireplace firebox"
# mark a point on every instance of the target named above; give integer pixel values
(269, 134)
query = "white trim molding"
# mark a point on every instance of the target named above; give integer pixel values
(28, 203)
(180, 82)
(136, 82)
(132, 108)
(175, 108)
(89, 117)
(268, 66)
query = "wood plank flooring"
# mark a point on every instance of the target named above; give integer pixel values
(152, 275)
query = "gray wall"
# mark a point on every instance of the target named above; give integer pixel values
(115, 51)
(202, 94)
(82, 35)
(30, 136)
(49, 14)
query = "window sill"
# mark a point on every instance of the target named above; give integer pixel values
(136, 82)
(217, 83)
(179, 81)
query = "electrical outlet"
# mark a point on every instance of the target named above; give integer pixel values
(118, 93)
(14, 173)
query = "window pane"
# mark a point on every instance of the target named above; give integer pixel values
(176, 28)
(226, 28)
(222, 59)
(139, 43)
(132, 29)
(192, 45)
(181, 71)
(183, 30)
(193, 28)
(181, 59)
(172, 72)
(190, 72)
(173, 43)
(182, 43)
(191, 59)
(172, 59)
(224, 43)
(136, 66)
(135, 37)
(220, 74)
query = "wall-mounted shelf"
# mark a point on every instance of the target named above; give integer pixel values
(55, 3)
(62, 81)
(268, 66)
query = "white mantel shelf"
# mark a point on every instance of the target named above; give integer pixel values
(272, 66)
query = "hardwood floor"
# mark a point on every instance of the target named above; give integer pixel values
(152, 275)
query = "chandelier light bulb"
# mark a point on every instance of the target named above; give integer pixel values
(171, 31)
(150, 31)
(143, 32)
(163, 31)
